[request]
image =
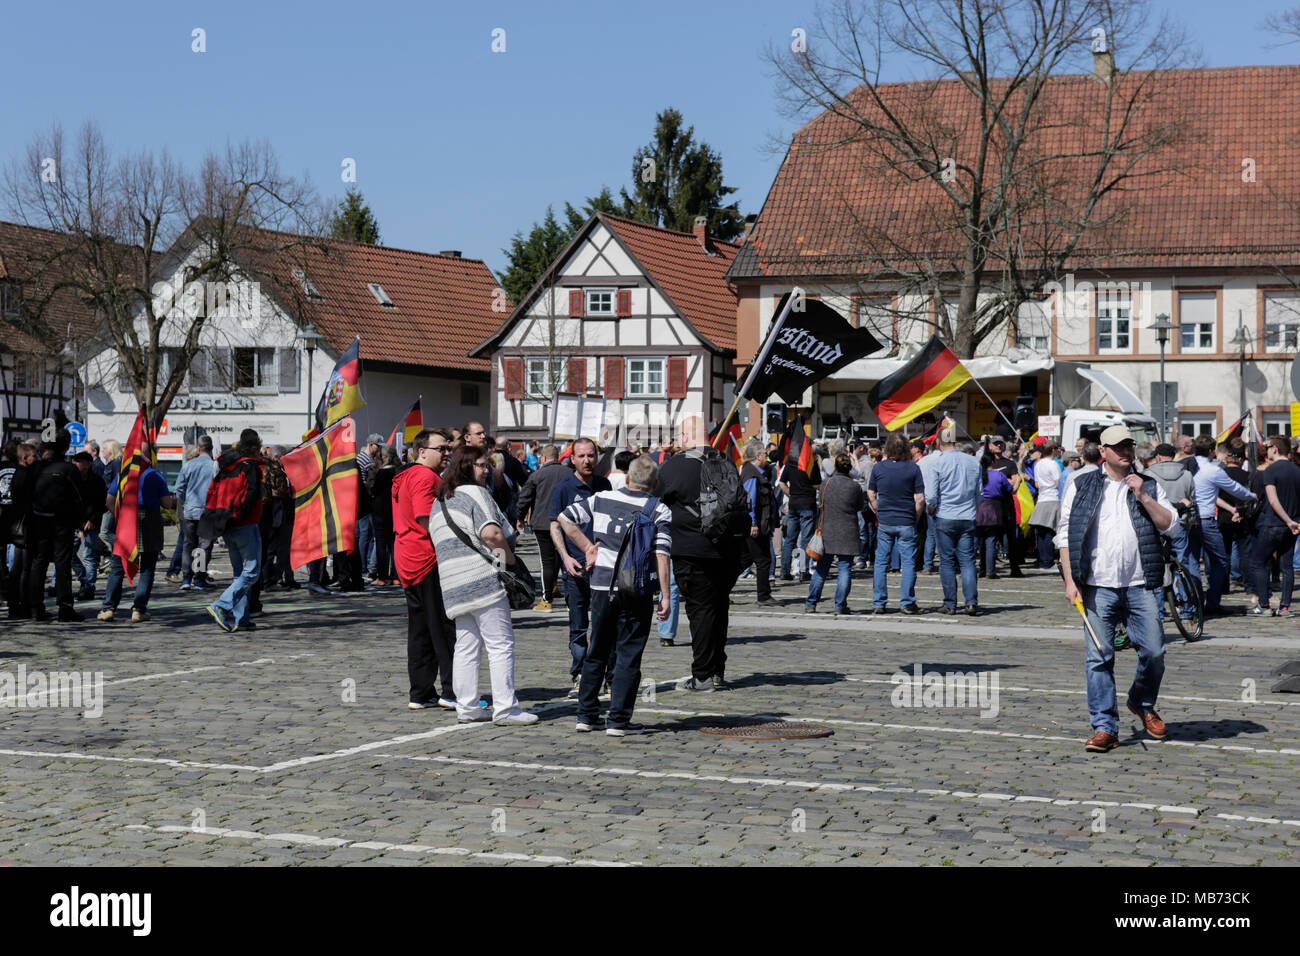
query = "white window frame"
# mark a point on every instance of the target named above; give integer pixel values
(631, 393)
(1200, 423)
(268, 375)
(879, 319)
(1028, 326)
(1275, 423)
(1288, 330)
(308, 289)
(537, 363)
(1200, 327)
(382, 297)
(1116, 307)
(589, 301)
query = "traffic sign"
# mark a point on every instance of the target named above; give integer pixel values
(77, 432)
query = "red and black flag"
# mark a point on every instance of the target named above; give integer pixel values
(918, 386)
(406, 430)
(342, 394)
(323, 475)
(126, 545)
(796, 445)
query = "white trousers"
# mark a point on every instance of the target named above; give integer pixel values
(489, 628)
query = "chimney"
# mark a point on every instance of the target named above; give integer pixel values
(1103, 66)
(453, 253)
(702, 233)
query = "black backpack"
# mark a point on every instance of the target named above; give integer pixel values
(723, 505)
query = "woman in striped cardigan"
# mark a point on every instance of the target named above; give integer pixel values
(472, 595)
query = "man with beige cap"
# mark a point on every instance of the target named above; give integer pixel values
(1112, 559)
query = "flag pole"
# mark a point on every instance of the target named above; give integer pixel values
(758, 361)
(994, 404)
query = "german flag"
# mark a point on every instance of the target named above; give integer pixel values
(796, 445)
(1024, 502)
(406, 430)
(930, 437)
(342, 394)
(323, 475)
(126, 544)
(1235, 430)
(918, 386)
(734, 435)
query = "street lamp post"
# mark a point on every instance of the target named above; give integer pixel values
(1162, 327)
(309, 338)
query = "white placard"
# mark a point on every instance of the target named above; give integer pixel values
(564, 416)
(1049, 426)
(592, 418)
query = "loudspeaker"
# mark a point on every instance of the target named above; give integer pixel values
(776, 418)
(1025, 415)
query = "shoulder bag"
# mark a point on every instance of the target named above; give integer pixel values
(521, 590)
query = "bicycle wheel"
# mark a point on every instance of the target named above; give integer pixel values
(1185, 605)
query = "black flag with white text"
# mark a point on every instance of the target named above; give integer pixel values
(812, 344)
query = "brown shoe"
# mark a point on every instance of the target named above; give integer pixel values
(1151, 721)
(1100, 742)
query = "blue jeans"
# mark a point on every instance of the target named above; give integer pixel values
(867, 535)
(618, 635)
(178, 553)
(931, 542)
(891, 538)
(89, 559)
(1215, 557)
(957, 537)
(244, 544)
(844, 568)
(1137, 607)
(799, 525)
(143, 581)
(1181, 544)
(668, 627)
(577, 595)
(366, 543)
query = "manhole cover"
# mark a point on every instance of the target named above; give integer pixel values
(776, 730)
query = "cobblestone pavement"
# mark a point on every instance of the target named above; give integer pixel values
(218, 748)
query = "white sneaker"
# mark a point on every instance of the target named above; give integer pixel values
(444, 702)
(478, 718)
(583, 727)
(626, 730)
(518, 717)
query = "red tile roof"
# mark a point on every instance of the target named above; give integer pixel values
(25, 256)
(1201, 215)
(443, 304)
(693, 280)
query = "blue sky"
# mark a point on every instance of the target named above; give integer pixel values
(456, 147)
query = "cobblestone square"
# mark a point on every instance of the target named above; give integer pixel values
(292, 745)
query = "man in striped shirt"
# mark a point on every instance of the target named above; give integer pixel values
(619, 627)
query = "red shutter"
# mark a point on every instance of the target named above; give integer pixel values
(624, 303)
(577, 377)
(677, 378)
(613, 376)
(514, 373)
(577, 306)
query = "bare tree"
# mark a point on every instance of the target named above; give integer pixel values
(153, 248)
(1026, 170)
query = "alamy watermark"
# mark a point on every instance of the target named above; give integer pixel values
(946, 690)
(1075, 300)
(77, 690)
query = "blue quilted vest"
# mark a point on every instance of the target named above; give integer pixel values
(1088, 491)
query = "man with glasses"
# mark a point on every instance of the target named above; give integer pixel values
(1112, 559)
(430, 635)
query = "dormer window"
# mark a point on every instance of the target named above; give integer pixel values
(380, 295)
(308, 289)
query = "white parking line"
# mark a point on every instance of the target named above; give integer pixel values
(308, 839)
(161, 761)
(974, 731)
(1080, 693)
(793, 784)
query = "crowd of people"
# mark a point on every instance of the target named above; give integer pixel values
(443, 521)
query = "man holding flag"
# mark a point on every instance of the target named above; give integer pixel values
(137, 495)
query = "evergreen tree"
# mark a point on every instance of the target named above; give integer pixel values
(354, 221)
(674, 180)
(530, 256)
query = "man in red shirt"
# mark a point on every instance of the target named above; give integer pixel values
(430, 635)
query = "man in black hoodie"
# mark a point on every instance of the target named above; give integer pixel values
(534, 508)
(53, 515)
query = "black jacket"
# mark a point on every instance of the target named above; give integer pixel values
(761, 498)
(56, 491)
(536, 494)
